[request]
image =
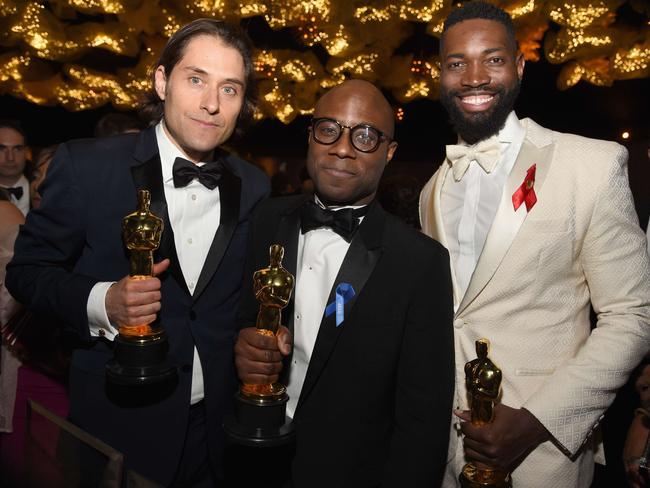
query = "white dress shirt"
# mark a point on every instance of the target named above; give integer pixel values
(23, 202)
(319, 258)
(469, 205)
(194, 213)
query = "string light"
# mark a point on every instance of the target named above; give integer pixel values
(44, 39)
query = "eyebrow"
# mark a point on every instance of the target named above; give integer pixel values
(201, 71)
(486, 51)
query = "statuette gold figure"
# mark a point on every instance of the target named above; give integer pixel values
(483, 381)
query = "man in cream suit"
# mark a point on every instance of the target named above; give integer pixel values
(539, 225)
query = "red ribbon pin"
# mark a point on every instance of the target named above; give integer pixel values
(526, 192)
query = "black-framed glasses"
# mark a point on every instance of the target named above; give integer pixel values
(363, 137)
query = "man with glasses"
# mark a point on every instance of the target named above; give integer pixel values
(370, 383)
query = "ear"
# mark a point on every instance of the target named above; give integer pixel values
(521, 62)
(392, 147)
(160, 81)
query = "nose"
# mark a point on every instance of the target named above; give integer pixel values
(210, 100)
(475, 75)
(343, 148)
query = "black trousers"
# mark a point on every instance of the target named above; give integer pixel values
(194, 469)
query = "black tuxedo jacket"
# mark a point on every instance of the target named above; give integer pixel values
(74, 240)
(375, 406)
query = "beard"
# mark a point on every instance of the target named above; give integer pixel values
(476, 127)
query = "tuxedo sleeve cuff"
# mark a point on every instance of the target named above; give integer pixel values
(98, 322)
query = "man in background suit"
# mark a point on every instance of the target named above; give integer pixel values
(539, 226)
(14, 165)
(370, 387)
(70, 261)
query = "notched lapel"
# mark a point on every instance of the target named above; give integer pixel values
(148, 176)
(357, 266)
(286, 234)
(507, 221)
(432, 221)
(229, 195)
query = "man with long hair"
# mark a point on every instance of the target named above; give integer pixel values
(70, 261)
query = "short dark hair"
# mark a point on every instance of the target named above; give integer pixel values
(15, 125)
(18, 127)
(233, 36)
(480, 10)
(114, 123)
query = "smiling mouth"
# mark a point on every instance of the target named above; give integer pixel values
(477, 100)
(473, 102)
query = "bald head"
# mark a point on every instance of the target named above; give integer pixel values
(363, 93)
(350, 143)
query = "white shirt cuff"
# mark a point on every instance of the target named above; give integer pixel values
(98, 322)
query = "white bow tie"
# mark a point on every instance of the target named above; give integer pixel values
(485, 153)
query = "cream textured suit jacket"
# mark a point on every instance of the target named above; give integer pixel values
(530, 293)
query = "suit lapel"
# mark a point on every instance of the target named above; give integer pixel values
(286, 234)
(507, 221)
(229, 196)
(431, 216)
(357, 266)
(147, 175)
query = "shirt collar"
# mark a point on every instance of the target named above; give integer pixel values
(22, 182)
(168, 152)
(512, 131)
(334, 207)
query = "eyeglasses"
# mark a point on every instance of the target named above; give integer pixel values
(363, 137)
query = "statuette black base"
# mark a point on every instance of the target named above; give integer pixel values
(260, 423)
(140, 361)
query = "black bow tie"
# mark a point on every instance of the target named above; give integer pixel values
(16, 191)
(185, 171)
(344, 222)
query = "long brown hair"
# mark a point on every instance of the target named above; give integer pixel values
(152, 108)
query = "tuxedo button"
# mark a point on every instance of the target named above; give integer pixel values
(458, 323)
(192, 315)
(186, 368)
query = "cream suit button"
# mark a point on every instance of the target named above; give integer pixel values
(458, 323)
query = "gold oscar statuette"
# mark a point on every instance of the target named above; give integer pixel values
(140, 350)
(272, 287)
(141, 233)
(259, 418)
(483, 381)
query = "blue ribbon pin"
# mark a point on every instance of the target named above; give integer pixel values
(344, 293)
